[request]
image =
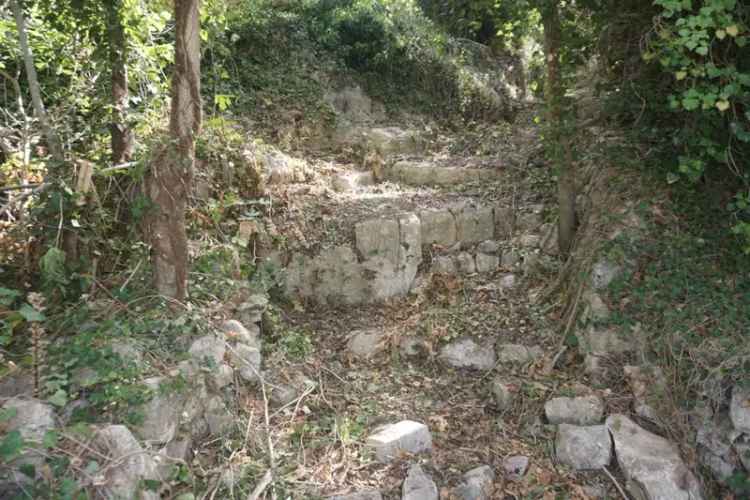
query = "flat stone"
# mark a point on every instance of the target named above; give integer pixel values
(444, 264)
(438, 227)
(583, 448)
(418, 485)
(208, 349)
(161, 414)
(465, 263)
(504, 221)
(516, 467)
(739, 409)
(651, 464)
(510, 260)
(517, 353)
(406, 436)
(529, 240)
(134, 464)
(477, 484)
(490, 247)
(366, 343)
(378, 238)
(466, 353)
(503, 393)
(234, 331)
(487, 263)
(361, 495)
(474, 225)
(587, 410)
(393, 140)
(246, 360)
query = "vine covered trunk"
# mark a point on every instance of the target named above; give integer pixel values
(123, 141)
(169, 179)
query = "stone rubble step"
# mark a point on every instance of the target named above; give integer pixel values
(587, 410)
(407, 436)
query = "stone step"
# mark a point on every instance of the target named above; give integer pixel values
(387, 252)
(425, 173)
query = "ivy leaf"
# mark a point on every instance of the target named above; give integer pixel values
(690, 103)
(733, 30)
(59, 398)
(30, 314)
(721, 34)
(11, 445)
(680, 75)
(702, 50)
(722, 105)
(50, 439)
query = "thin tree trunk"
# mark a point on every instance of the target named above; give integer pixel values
(168, 182)
(557, 146)
(122, 139)
(53, 141)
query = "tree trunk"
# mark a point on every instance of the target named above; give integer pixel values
(53, 141)
(168, 182)
(122, 139)
(556, 133)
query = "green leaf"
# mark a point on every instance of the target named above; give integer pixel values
(702, 50)
(7, 414)
(8, 296)
(30, 314)
(28, 470)
(11, 446)
(50, 439)
(59, 398)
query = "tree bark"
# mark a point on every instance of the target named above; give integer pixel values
(53, 141)
(556, 133)
(122, 138)
(170, 176)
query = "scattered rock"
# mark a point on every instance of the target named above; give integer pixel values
(651, 464)
(411, 347)
(466, 353)
(134, 465)
(234, 331)
(362, 495)
(366, 343)
(218, 418)
(406, 436)
(161, 414)
(587, 410)
(246, 360)
(465, 263)
(487, 263)
(438, 227)
(649, 386)
(444, 264)
(583, 448)
(507, 281)
(32, 420)
(477, 484)
(208, 349)
(516, 467)
(739, 409)
(503, 393)
(603, 274)
(517, 353)
(418, 485)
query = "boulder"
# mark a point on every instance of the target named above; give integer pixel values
(651, 464)
(131, 465)
(418, 485)
(32, 419)
(378, 238)
(583, 448)
(466, 353)
(477, 484)
(587, 410)
(443, 264)
(518, 354)
(490, 247)
(208, 349)
(739, 408)
(247, 360)
(407, 436)
(161, 414)
(366, 343)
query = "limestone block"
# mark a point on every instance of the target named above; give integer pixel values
(474, 225)
(583, 448)
(405, 436)
(438, 227)
(587, 410)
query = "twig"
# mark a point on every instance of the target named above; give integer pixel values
(616, 483)
(23, 197)
(261, 487)
(19, 187)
